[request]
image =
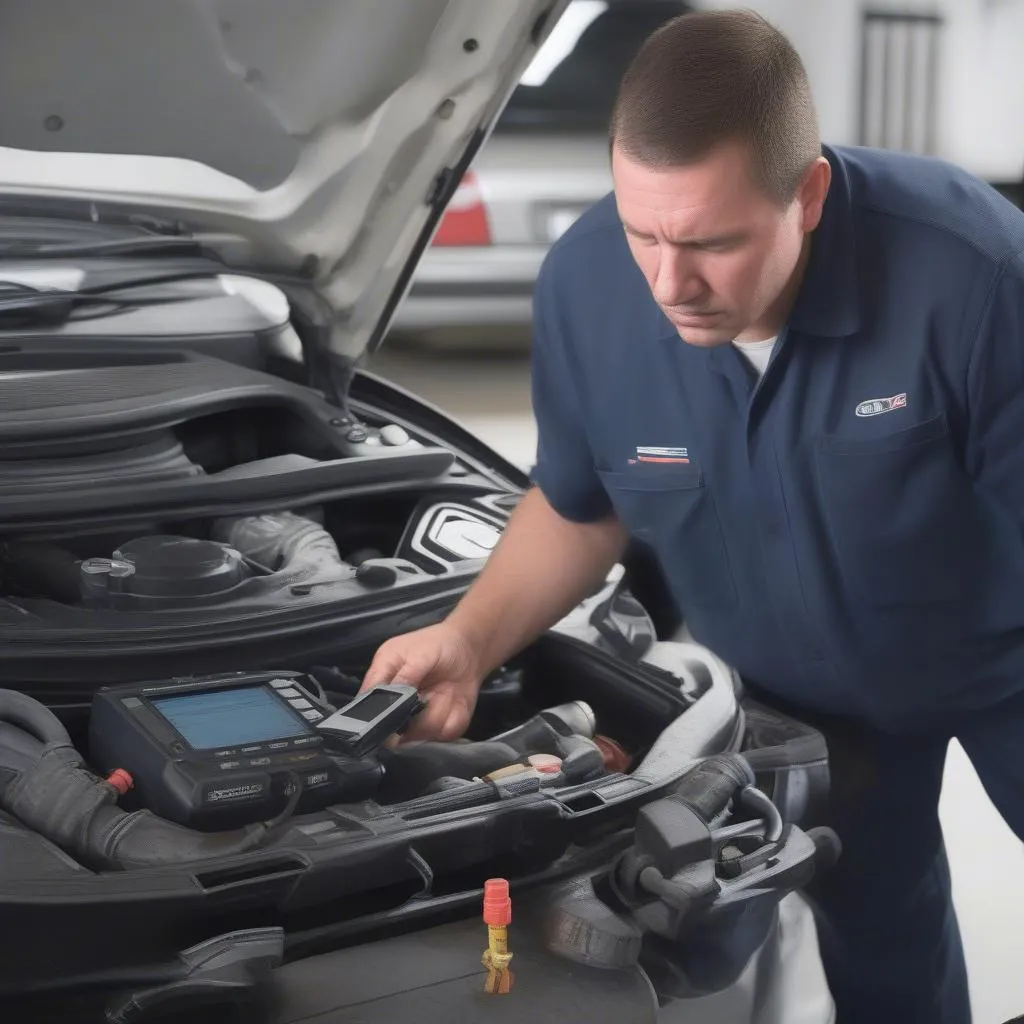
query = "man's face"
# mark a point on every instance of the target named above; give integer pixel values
(722, 259)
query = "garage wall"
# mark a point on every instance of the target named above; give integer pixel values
(983, 98)
(980, 101)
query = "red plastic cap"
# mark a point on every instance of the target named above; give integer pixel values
(549, 764)
(497, 903)
(120, 780)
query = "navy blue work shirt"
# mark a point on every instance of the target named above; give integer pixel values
(848, 532)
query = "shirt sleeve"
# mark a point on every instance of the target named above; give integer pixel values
(995, 393)
(564, 469)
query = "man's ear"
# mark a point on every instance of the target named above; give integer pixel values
(812, 192)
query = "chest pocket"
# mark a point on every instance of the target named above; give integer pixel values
(671, 510)
(899, 511)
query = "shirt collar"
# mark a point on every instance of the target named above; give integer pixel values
(828, 303)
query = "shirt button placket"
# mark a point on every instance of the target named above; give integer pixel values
(779, 551)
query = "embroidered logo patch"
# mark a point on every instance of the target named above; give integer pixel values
(678, 456)
(876, 406)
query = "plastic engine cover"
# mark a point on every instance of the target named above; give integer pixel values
(436, 975)
(162, 570)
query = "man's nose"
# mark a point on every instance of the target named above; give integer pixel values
(676, 282)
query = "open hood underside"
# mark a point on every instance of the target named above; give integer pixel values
(307, 135)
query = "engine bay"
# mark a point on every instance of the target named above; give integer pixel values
(197, 562)
(567, 746)
(230, 752)
(271, 560)
(167, 489)
(564, 740)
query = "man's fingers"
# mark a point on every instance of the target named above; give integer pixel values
(383, 669)
(429, 723)
(455, 724)
(399, 666)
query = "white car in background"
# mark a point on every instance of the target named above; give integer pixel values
(546, 163)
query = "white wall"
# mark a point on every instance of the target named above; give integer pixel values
(827, 35)
(981, 92)
(983, 98)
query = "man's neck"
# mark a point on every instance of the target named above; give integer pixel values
(778, 312)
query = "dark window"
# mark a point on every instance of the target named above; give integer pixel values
(572, 84)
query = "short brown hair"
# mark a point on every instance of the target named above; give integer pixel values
(710, 77)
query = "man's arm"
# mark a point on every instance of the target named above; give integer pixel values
(564, 537)
(542, 567)
(556, 549)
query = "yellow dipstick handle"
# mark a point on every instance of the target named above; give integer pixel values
(497, 917)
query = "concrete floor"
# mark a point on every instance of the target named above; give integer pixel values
(490, 394)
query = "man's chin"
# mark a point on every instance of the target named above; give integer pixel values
(704, 337)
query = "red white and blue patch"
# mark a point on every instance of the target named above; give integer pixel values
(671, 456)
(877, 406)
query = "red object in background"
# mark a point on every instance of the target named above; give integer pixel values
(497, 903)
(465, 218)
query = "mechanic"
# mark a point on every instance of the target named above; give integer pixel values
(797, 373)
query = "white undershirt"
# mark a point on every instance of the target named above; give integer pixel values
(757, 353)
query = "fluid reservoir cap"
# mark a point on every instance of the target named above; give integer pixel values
(373, 573)
(548, 764)
(393, 435)
(497, 904)
(152, 569)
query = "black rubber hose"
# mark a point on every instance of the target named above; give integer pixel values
(709, 786)
(758, 802)
(42, 570)
(535, 736)
(32, 717)
(409, 768)
(44, 783)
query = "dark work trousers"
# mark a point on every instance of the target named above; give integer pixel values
(889, 935)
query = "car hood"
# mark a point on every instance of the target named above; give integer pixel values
(319, 138)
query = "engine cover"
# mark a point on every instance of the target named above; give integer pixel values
(162, 570)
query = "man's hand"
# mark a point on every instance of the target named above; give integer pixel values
(442, 665)
(542, 567)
